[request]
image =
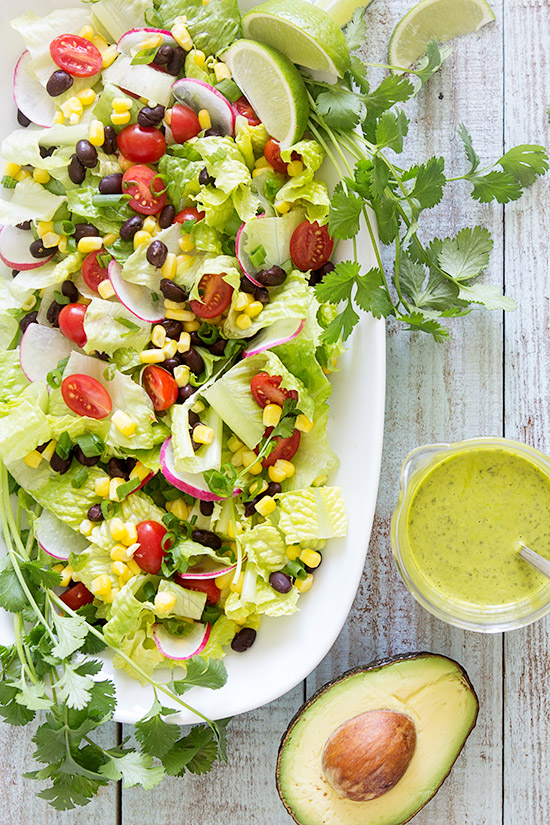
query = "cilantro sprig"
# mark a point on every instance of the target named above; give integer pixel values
(431, 281)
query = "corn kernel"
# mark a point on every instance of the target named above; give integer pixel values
(120, 118)
(124, 163)
(303, 423)
(182, 375)
(233, 527)
(11, 169)
(58, 118)
(249, 457)
(116, 526)
(295, 167)
(255, 469)
(184, 342)
(286, 467)
(199, 58)
(66, 575)
(181, 35)
(185, 243)
(271, 415)
(130, 534)
(100, 42)
(243, 321)
(198, 407)
(319, 481)
(101, 585)
(222, 71)
(121, 104)
(236, 587)
(243, 300)
(275, 474)
(114, 484)
(170, 348)
(234, 443)
(87, 32)
(204, 435)
(191, 326)
(179, 314)
(150, 225)
(169, 267)
(83, 300)
(72, 106)
(257, 487)
(204, 119)
(58, 568)
(262, 163)
(106, 289)
(265, 505)
(183, 261)
(22, 175)
(224, 581)
(109, 239)
(86, 96)
(29, 303)
(134, 567)
(283, 207)
(119, 553)
(43, 227)
(237, 457)
(41, 176)
(179, 508)
(96, 134)
(50, 240)
(33, 459)
(311, 558)
(140, 471)
(119, 568)
(165, 602)
(126, 576)
(101, 486)
(49, 450)
(293, 551)
(158, 336)
(303, 585)
(152, 42)
(85, 527)
(254, 308)
(151, 356)
(141, 237)
(74, 119)
(89, 244)
(124, 423)
(168, 117)
(62, 245)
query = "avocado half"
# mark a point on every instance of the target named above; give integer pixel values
(431, 690)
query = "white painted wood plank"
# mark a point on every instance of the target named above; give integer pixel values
(527, 380)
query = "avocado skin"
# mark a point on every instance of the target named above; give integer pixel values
(376, 664)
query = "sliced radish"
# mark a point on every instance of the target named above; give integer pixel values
(131, 43)
(41, 349)
(30, 96)
(208, 569)
(281, 332)
(243, 259)
(141, 80)
(181, 647)
(56, 538)
(135, 298)
(192, 483)
(200, 95)
(14, 249)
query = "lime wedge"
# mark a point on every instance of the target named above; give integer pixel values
(274, 87)
(341, 11)
(305, 33)
(442, 19)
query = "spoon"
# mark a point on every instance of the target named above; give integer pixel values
(535, 560)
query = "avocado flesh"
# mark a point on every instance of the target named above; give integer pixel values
(432, 690)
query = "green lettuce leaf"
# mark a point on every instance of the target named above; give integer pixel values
(266, 548)
(125, 610)
(103, 108)
(182, 175)
(307, 515)
(208, 456)
(106, 333)
(105, 218)
(116, 17)
(221, 635)
(23, 423)
(138, 270)
(266, 601)
(189, 603)
(289, 300)
(27, 281)
(29, 201)
(250, 140)
(140, 646)
(133, 509)
(213, 26)
(12, 378)
(314, 457)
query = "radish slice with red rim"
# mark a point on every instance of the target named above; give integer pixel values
(56, 538)
(15, 249)
(192, 483)
(41, 349)
(137, 299)
(30, 96)
(130, 42)
(181, 647)
(200, 95)
(281, 332)
(208, 570)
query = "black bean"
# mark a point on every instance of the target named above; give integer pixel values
(213, 132)
(42, 447)
(313, 569)
(273, 488)
(167, 216)
(218, 347)
(247, 285)
(173, 328)
(244, 639)
(70, 291)
(151, 116)
(87, 154)
(157, 252)
(110, 145)
(171, 363)
(111, 184)
(207, 538)
(175, 62)
(94, 513)
(84, 230)
(84, 459)
(27, 320)
(172, 291)
(194, 418)
(61, 465)
(195, 340)
(24, 226)
(53, 313)
(47, 153)
(274, 276)
(261, 294)
(77, 171)
(185, 392)
(206, 508)
(280, 582)
(38, 250)
(204, 178)
(249, 508)
(317, 275)
(15, 273)
(120, 467)
(163, 54)
(59, 82)
(22, 119)
(103, 356)
(193, 360)
(130, 227)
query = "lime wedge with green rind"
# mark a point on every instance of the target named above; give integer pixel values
(274, 87)
(305, 33)
(440, 19)
(341, 11)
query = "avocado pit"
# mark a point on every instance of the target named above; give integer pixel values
(368, 754)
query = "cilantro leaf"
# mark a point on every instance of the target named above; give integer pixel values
(344, 213)
(340, 108)
(12, 711)
(431, 61)
(155, 735)
(371, 294)
(426, 291)
(134, 769)
(200, 673)
(356, 30)
(471, 153)
(495, 185)
(429, 182)
(393, 89)
(71, 632)
(419, 321)
(337, 285)
(74, 687)
(379, 178)
(467, 255)
(391, 129)
(525, 163)
(487, 294)
(34, 696)
(342, 326)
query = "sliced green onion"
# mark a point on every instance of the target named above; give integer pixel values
(127, 488)
(257, 256)
(229, 89)
(64, 445)
(80, 478)
(108, 200)
(296, 570)
(90, 444)
(8, 182)
(208, 333)
(168, 539)
(109, 509)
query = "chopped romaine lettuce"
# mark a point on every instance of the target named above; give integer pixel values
(116, 17)
(104, 218)
(265, 547)
(316, 513)
(23, 422)
(106, 322)
(137, 268)
(29, 201)
(289, 300)
(12, 378)
(208, 456)
(189, 603)
(213, 25)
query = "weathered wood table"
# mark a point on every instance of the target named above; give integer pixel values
(491, 379)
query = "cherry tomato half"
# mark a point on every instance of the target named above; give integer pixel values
(272, 153)
(160, 386)
(145, 189)
(185, 123)
(189, 213)
(76, 55)
(267, 389)
(310, 246)
(85, 396)
(76, 596)
(71, 323)
(215, 296)
(286, 448)
(244, 108)
(141, 144)
(150, 553)
(207, 586)
(94, 271)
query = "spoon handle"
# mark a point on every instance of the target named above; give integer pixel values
(541, 564)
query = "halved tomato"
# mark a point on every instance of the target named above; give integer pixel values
(77, 596)
(150, 553)
(145, 188)
(160, 386)
(245, 109)
(141, 144)
(71, 323)
(185, 123)
(85, 396)
(207, 586)
(267, 389)
(310, 245)
(94, 271)
(76, 55)
(285, 449)
(189, 213)
(215, 296)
